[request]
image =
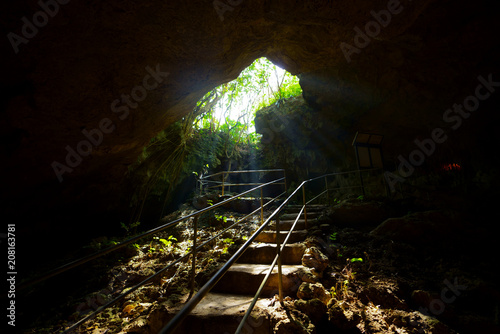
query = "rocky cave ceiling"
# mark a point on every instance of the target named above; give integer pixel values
(131, 68)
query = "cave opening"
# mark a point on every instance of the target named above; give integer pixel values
(219, 134)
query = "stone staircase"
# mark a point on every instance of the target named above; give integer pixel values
(223, 308)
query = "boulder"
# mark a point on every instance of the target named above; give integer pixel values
(314, 308)
(299, 323)
(314, 258)
(309, 291)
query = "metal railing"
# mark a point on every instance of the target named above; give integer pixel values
(281, 247)
(362, 186)
(221, 179)
(158, 229)
(195, 300)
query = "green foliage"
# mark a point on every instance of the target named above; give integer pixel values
(218, 131)
(231, 107)
(356, 259)
(161, 245)
(169, 241)
(227, 243)
(340, 290)
(221, 217)
(333, 236)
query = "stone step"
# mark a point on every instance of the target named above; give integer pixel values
(264, 253)
(286, 225)
(245, 279)
(222, 313)
(270, 236)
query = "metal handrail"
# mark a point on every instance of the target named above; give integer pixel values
(152, 277)
(327, 189)
(196, 299)
(222, 184)
(279, 249)
(175, 322)
(191, 304)
(244, 171)
(158, 229)
(122, 244)
(192, 253)
(206, 288)
(268, 275)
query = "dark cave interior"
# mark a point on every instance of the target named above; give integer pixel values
(87, 85)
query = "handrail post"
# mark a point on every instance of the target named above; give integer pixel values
(193, 258)
(261, 206)
(222, 183)
(327, 192)
(305, 205)
(278, 252)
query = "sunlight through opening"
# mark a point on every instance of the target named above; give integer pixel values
(234, 103)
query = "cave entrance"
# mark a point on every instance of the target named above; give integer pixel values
(230, 108)
(228, 112)
(217, 135)
(259, 85)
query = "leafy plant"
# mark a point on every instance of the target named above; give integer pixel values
(221, 217)
(344, 287)
(340, 290)
(131, 228)
(348, 272)
(161, 244)
(333, 236)
(169, 241)
(227, 243)
(333, 292)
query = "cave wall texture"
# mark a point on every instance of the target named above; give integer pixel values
(131, 68)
